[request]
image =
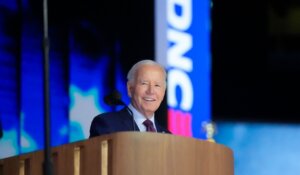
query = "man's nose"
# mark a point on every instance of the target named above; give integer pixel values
(150, 89)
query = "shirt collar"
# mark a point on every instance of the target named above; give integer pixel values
(139, 118)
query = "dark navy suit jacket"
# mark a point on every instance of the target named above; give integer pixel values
(111, 122)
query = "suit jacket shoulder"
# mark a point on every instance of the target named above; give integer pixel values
(112, 122)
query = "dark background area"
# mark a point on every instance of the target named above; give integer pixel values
(255, 61)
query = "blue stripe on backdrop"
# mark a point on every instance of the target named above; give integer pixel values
(9, 143)
(9, 99)
(201, 73)
(59, 99)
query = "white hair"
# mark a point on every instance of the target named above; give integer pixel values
(132, 72)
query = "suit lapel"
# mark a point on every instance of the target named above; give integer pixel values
(158, 128)
(161, 129)
(128, 120)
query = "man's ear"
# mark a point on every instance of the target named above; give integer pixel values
(129, 89)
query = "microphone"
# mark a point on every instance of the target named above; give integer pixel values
(114, 99)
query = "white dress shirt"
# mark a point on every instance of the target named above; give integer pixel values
(140, 118)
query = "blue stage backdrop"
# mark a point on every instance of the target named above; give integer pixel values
(9, 78)
(84, 66)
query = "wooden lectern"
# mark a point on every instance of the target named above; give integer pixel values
(128, 153)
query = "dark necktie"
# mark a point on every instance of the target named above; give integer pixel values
(149, 126)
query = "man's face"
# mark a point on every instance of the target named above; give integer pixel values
(147, 90)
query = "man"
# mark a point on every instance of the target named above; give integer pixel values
(146, 86)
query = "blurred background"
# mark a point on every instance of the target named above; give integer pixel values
(253, 69)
